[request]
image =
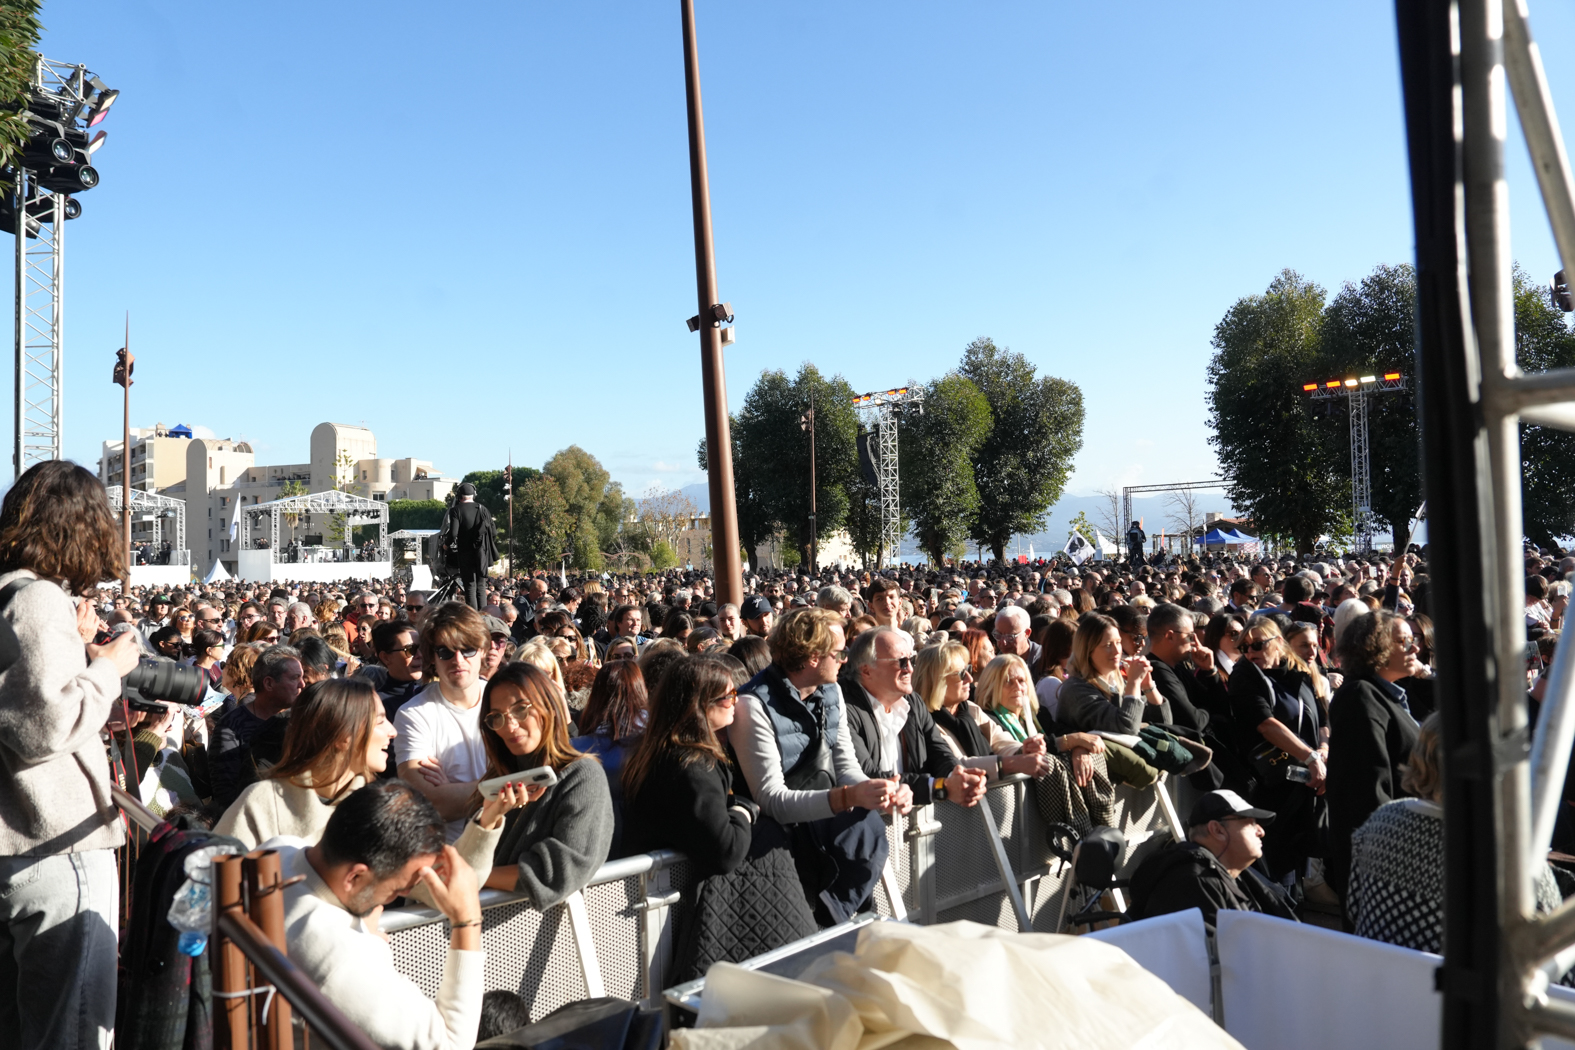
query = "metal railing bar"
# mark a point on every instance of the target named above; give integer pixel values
(1519, 391)
(1540, 126)
(1550, 754)
(1552, 1017)
(322, 1016)
(141, 815)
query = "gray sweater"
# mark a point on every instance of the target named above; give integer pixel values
(54, 776)
(1084, 706)
(560, 840)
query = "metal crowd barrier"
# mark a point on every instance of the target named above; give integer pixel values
(617, 937)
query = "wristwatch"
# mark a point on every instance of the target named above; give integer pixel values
(938, 788)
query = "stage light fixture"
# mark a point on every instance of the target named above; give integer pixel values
(1391, 375)
(98, 140)
(106, 98)
(1369, 379)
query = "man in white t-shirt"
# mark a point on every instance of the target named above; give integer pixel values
(439, 748)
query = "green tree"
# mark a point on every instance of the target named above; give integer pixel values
(19, 29)
(593, 505)
(489, 491)
(936, 452)
(1369, 329)
(1544, 341)
(415, 514)
(771, 456)
(662, 556)
(286, 490)
(1274, 455)
(1081, 525)
(1036, 429)
(542, 525)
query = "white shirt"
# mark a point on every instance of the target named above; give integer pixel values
(355, 968)
(888, 728)
(430, 726)
(1049, 693)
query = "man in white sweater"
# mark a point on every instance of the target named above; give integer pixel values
(380, 843)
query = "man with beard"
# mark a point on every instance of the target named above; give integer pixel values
(381, 843)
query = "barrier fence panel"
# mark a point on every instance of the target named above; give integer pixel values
(941, 866)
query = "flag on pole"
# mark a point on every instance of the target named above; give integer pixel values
(1078, 548)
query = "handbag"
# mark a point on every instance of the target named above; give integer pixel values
(1270, 763)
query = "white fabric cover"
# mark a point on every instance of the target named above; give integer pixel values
(1172, 947)
(960, 985)
(1290, 986)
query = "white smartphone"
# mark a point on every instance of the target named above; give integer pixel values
(541, 776)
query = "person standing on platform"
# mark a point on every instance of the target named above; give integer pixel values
(472, 544)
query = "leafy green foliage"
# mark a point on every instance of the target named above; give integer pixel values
(663, 557)
(1274, 455)
(1369, 329)
(19, 29)
(1081, 525)
(593, 504)
(935, 454)
(1544, 341)
(542, 525)
(415, 514)
(1036, 429)
(489, 490)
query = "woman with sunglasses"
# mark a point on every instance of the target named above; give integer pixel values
(1371, 729)
(553, 838)
(186, 621)
(679, 789)
(439, 747)
(1221, 637)
(1275, 707)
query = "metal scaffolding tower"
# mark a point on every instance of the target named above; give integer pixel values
(40, 270)
(1355, 391)
(1174, 486)
(878, 411)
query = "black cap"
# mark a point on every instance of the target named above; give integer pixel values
(1222, 805)
(754, 607)
(466, 489)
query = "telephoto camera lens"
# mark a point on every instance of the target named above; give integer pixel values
(165, 680)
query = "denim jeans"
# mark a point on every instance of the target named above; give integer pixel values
(58, 922)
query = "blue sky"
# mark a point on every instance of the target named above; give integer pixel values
(471, 231)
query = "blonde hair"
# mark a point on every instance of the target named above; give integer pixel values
(538, 653)
(801, 634)
(932, 667)
(1423, 772)
(993, 679)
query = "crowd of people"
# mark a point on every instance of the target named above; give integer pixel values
(395, 749)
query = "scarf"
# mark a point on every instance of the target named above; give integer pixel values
(963, 729)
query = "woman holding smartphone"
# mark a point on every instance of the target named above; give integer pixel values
(560, 834)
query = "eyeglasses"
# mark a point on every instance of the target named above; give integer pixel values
(215, 620)
(904, 662)
(727, 699)
(517, 714)
(1411, 646)
(408, 650)
(1256, 647)
(443, 652)
(964, 675)
(1140, 639)
(839, 655)
(185, 616)
(414, 606)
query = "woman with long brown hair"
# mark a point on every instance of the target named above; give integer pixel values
(556, 837)
(60, 910)
(679, 789)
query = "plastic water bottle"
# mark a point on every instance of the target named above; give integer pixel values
(193, 942)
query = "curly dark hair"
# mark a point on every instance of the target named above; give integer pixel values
(1367, 643)
(56, 521)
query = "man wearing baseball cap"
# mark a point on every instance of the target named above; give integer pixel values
(756, 614)
(1212, 869)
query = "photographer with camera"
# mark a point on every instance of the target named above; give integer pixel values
(59, 894)
(470, 540)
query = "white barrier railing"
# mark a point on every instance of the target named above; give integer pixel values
(617, 936)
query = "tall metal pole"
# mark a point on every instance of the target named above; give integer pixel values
(509, 496)
(807, 422)
(19, 210)
(123, 377)
(718, 430)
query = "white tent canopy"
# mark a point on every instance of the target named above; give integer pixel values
(217, 573)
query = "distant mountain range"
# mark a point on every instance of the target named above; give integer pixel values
(1150, 510)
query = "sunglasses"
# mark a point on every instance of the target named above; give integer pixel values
(1256, 647)
(414, 607)
(408, 650)
(904, 662)
(727, 699)
(964, 675)
(443, 652)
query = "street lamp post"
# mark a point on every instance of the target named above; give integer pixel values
(124, 363)
(708, 322)
(807, 422)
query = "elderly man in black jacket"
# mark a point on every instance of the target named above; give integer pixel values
(1212, 870)
(893, 733)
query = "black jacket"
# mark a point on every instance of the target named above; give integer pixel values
(925, 753)
(687, 807)
(467, 532)
(1192, 700)
(1370, 738)
(1186, 875)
